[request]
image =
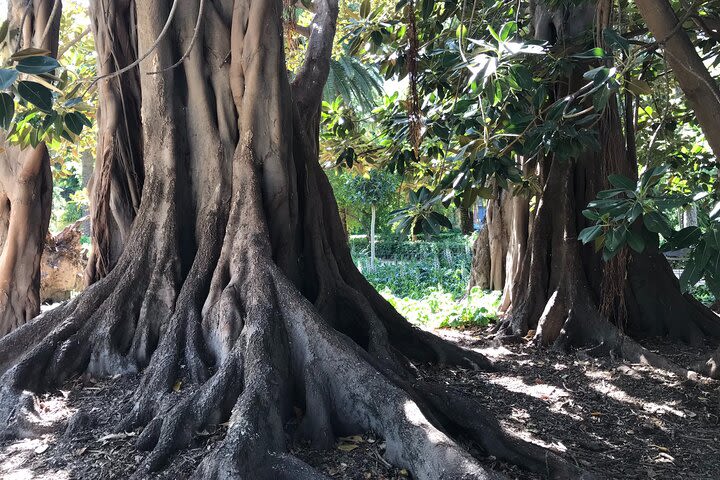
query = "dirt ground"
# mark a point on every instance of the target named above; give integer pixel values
(618, 420)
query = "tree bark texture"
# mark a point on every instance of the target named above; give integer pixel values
(25, 185)
(116, 185)
(236, 278)
(500, 245)
(467, 218)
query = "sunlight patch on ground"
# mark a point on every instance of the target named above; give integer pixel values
(14, 456)
(602, 384)
(557, 399)
(52, 411)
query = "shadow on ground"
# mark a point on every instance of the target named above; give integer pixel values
(618, 420)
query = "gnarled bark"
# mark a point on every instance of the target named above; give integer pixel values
(116, 185)
(25, 184)
(237, 278)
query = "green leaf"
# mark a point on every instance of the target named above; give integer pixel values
(522, 77)
(29, 52)
(7, 78)
(615, 238)
(441, 220)
(695, 267)
(7, 110)
(427, 8)
(591, 215)
(684, 238)
(607, 255)
(715, 212)
(601, 98)
(635, 241)
(494, 34)
(36, 94)
(365, 9)
(589, 234)
(88, 123)
(713, 238)
(73, 123)
(621, 181)
(615, 39)
(507, 30)
(656, 223)
(37, 65)
(4, 28)
(635, 212)
(591, 54)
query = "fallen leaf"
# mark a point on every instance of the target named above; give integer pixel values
(116, 436)
(42, 448)
(352, 439)
(80, 451)
(176, 387)
(347, 447)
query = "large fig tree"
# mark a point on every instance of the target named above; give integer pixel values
(236, 278)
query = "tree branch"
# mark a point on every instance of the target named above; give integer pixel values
(303, 30)
(308, 86)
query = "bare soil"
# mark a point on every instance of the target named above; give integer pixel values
(618, 420)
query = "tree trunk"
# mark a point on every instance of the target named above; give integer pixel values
(117, 182)
(564, 293)
(237, 280)
(25, 185)
(480, 269)
(500, 245)
(700, 88)
(690, 216)
(372, 236)
(467, 226)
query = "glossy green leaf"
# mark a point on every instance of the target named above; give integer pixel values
(589, 234)
(621, 181)
(635, 241)
(7, 110)
(37, 65)
(37, 94)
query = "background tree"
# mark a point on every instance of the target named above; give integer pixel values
(374, 189)
(25, 178)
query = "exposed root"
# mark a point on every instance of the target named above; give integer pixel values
(237, 298)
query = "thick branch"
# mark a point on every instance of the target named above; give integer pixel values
(700, 88)
(310, 81)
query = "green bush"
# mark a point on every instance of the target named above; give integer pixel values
(417, 280)
(426, 281)
(447, 250)
(440, 310)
